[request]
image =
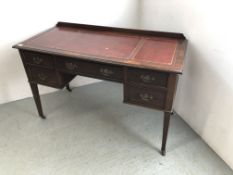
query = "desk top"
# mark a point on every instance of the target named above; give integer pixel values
(137, 48)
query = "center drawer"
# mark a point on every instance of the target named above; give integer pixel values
(90, 69)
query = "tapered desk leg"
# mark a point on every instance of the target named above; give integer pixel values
(36, 97)
(68, 87)
(166, 121)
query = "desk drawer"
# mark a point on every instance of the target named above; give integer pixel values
(39, 59)
(91, 69)
(147, 77)
(43, 76)
(145, 96)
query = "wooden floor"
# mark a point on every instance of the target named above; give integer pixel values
(87, 132)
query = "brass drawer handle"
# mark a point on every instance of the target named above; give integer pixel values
(37, 60)
(42, 76)
(71, 66)
(106, 72)
(146, 97)
(147, 78)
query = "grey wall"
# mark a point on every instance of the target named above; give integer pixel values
(205, 92)
(22, 19)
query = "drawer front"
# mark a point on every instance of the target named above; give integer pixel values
(147, 77)
(91, 69)
(43, 76)
(145, 96)
(39, 59)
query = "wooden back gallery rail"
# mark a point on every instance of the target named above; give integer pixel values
(146, 62)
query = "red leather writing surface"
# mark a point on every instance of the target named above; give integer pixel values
(157, 51)
(88, 43)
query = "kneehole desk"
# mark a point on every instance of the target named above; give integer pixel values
(146, 62)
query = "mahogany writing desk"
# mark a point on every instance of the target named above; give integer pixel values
(146, 62)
